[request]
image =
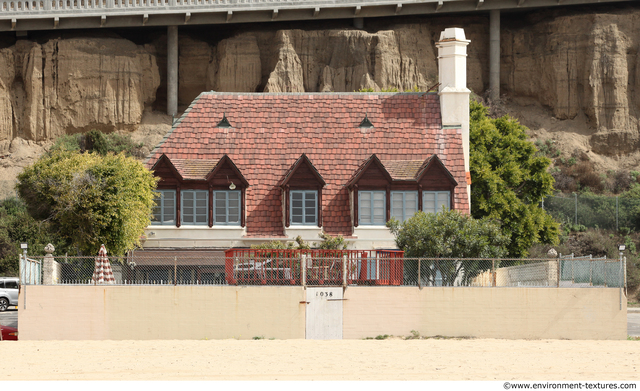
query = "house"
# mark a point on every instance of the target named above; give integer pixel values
(239, 168)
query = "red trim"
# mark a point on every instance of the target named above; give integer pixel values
(287, 221)
(242, 207)
(388, 202)
(355, 205)
(178, 206)
(319, 206)
(210, 206)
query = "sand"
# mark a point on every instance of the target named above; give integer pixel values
(396, 359)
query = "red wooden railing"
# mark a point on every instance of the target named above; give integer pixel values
(322, 267)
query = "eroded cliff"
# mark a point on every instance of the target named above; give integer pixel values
(569, 74)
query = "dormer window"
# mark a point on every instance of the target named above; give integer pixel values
(302, 194)
(194, 207)
(436, 201)
(226, 207)
(398, 189)
(371, 207)
(164, 212)
(199, 192)
(404, 204)
(304, 207)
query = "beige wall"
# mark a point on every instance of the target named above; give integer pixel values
(511, 313)
(218, 312)
(160, 312)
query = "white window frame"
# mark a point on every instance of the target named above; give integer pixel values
(371, 211)
(216, 196)
(304, 208)
(194, 216)
(439, 197)
(160, 203)
(403, 194)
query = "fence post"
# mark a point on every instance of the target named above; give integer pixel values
(620, 280)
(575, 219)
(616, 213)
(493, 272)
(175, 271)
(303, 269)
(344, 271)
(419, 278)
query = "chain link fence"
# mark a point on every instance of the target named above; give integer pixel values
(355, 268)
(594, 211)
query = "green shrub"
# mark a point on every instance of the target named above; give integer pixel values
(331, 243)
(96, 141)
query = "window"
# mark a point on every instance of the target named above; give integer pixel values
(164, 213)
(195, 205)
(226, 206)
(433, 201)
(371, 207)
(404, 204)
(304, 207)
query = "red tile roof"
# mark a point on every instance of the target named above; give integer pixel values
(194, 168)
(270, 132)
(403, 169)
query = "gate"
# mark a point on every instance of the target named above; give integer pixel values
(324, 313)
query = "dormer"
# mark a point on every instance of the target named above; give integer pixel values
(302, 188)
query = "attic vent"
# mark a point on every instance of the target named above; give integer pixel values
(224, 123)
(366, 123)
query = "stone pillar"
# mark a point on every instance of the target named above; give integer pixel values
(50, 268)
(172, 70)
(453, 91)
(494, 55)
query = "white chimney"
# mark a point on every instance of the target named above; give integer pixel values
(453, 91)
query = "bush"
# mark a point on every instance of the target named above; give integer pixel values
(96, 141)
(331, 243)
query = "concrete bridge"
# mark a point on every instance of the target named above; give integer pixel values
(22, 16)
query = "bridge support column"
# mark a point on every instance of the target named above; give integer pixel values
(494, 55)
(172, 70)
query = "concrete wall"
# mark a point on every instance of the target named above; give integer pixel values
(218, 312)
(160, 312)
(511, 313)
(535, 274)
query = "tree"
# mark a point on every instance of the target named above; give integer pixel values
(17, 226)
(90, 199)
(445, 237)
(509, 180)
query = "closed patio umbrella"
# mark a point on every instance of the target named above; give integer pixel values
(102, 274)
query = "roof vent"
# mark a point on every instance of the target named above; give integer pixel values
(224, 123)
(366, 123)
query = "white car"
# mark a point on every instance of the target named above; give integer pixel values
(9, 287)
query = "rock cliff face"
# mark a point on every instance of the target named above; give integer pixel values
(571, 74)
(585, 64)
(69, 85)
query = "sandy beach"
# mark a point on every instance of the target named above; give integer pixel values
(394, 359)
